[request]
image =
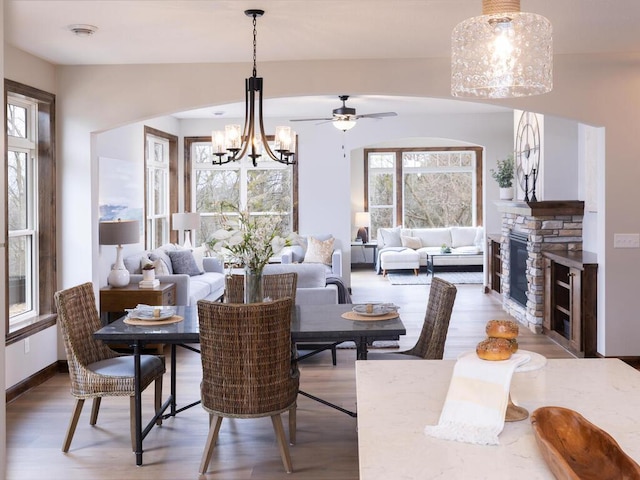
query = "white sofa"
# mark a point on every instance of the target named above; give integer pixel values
(208, 285)
(404, 248)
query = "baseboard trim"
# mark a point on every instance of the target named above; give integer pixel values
(36, 379)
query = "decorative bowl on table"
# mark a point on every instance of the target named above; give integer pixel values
(375, 309)
(576, 449)
(152, 313)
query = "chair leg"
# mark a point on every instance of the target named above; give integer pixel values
(214, 428)
(77, 409)
(282, 442)
(292, 424)
(95, 408)
(132, 421)
(334, 357)
(158, 398)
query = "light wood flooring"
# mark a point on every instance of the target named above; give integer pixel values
(326, 446)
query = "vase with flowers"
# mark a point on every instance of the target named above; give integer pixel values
(249, 241)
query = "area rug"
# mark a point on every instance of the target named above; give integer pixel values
(409, 278)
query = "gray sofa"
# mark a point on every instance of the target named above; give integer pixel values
(296, 254)
(208, 285)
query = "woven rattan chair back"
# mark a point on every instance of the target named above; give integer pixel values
(79, 319)
(274, 286)
(247, 368)
(430, 344)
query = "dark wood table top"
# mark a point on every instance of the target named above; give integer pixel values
(309, 323)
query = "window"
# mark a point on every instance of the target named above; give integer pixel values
(30, 194)
(160, 180)
(268, 189)
(424, 187)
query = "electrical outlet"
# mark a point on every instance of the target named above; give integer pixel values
(27, 346)
(626, 240)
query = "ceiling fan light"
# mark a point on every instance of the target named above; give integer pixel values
(503, 54)
(344, 124)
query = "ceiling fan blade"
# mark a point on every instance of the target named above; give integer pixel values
(310, 119)
(377, 115)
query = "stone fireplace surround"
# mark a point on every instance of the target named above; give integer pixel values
(550, 226)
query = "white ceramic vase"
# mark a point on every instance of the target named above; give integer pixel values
(506, 193)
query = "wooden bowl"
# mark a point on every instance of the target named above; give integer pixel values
(576, 449)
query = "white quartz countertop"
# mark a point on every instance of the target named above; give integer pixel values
(396, 399)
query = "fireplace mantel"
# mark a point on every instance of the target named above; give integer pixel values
(542, 209)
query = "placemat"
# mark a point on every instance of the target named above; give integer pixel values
(137, 321)
(366, 318)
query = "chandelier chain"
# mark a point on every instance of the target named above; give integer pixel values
(255, 44)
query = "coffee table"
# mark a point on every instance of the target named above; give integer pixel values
(431, 256)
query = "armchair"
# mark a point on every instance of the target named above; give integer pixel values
(298, 253)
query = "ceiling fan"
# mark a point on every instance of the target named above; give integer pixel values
(344, 118)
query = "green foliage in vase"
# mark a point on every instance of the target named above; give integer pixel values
(503, 174)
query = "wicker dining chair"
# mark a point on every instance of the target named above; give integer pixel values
(274, 286)
(430, 344)
(95, 370)
(247, 370)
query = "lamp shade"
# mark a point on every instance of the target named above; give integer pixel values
(363, 219)
(185, 221)
(119, 232)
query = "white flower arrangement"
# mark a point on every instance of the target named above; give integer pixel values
(251, 241)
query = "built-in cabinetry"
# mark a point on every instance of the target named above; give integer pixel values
(570, 290)
(494, 263)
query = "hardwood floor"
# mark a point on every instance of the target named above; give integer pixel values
(326, 439)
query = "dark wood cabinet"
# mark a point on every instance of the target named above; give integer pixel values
(113, 301)
(494, 263)
(570, 305)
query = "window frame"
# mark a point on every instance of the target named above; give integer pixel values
(172, 183)
(399, 176)
(189, 193)
(45, 176)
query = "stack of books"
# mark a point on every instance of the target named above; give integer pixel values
(149, 283)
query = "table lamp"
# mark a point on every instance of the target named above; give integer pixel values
(187, 222)
(119, 232)
(363, 219)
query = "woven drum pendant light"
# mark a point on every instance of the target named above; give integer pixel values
(501, 54)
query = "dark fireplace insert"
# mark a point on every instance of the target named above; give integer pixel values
(518, 267)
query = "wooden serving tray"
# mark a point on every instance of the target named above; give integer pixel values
(576, 449)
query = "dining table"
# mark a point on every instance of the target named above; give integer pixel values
(396, 400)
(309, 323)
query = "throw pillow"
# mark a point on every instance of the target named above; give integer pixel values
(390, 237)
(159, 253)
(319, 251)
(411, 242)
(198, 254)
(182, 261)
(159, 265)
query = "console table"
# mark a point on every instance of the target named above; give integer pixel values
(114, 301)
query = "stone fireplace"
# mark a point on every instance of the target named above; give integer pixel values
(540, 226)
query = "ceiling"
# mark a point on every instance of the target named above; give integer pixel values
(202, 31)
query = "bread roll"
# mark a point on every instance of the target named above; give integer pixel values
(514, 345)
(502, 329)
(494, 349)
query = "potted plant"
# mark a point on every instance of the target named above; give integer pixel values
(148, 272)
(503, 174)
